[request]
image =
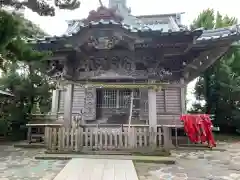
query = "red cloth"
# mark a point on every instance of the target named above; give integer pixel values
(208, 129)
(198, 128)
(188, 127)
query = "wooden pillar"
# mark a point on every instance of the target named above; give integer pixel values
(152, 110)
(55, 100)
(183, 96)
(29, 134)
(167, 138)
(152, 116)
(46, 136)
(68, 99)
(167, 131)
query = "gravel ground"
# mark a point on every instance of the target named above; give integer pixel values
(19, 164)
(196, 165)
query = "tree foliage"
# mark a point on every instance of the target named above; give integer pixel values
(219, 85)
(23, 74)
(42, 7)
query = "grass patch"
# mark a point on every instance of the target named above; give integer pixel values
(152, 153)
(146, 152)
(140, 159)
(30, 146)
(147, 159)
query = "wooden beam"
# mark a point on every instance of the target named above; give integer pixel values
(137, 54)
(116, 84)
(203, 62)
(196, 62)
(56, 58)
(190, 45)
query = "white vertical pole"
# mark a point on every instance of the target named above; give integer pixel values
(130, 130)
(152, 110)
(55, 100)
(130, 113)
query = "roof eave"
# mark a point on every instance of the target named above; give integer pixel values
(219, 33)
(159, 15)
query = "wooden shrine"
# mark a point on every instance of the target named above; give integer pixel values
(111, 72)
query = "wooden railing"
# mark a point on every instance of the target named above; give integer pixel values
(95, 137)
(44, 117)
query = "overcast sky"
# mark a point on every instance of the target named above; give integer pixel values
(56, 25)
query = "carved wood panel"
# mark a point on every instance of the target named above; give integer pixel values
(124, 66)
(90, 104)
(78, 99)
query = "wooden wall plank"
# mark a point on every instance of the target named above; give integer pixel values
(78, 99)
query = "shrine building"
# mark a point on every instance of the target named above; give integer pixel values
(113, 67)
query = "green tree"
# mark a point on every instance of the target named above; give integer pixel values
(219, 84)
(23, 73)
(42, 7)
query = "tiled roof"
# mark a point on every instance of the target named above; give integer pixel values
(77, 26)
(137, 23)
(160, 15)
(219, 33)
(74, 26)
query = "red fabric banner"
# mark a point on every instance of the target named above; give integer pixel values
(198, 128)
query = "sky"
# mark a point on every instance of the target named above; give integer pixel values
(56, 25)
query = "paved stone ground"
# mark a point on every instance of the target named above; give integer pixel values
(196, 165)
(19, 164)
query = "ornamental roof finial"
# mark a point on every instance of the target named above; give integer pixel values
(100, 2)
(103, 13)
